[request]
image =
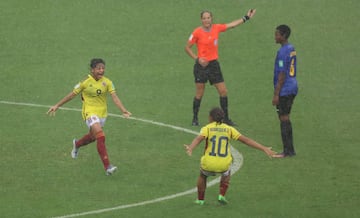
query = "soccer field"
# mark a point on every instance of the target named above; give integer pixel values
(46, 46)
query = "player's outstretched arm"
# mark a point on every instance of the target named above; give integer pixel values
(252, 143)
(194, 143)
(67, 98)
(120, 105)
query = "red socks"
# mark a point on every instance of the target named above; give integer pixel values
(201, 187)
(223, 188)
(86, 139)
(201, 195)
(100, 139)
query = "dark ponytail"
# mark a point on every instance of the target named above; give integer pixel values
(217, 114)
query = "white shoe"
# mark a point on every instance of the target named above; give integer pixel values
(110, 170)
(75, 150)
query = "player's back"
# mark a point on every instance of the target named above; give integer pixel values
(217, 155)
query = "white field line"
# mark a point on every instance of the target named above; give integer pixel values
(238, 161)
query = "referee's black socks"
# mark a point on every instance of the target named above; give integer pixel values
(224, 106)
(196, 106)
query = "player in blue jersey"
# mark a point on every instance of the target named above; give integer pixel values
(285, 87)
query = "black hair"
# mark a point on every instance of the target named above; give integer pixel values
(284, 30)
(205, 11)
(217, 114)
(96, 61)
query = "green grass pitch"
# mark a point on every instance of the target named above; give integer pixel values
(46, 46)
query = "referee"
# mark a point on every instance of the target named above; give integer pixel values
(207, 67)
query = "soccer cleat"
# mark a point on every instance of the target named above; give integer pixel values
(75, 150)
(199, 202)
(290, 154)
(229, 122)
(222, 199)
(195, 122)
(110, 170)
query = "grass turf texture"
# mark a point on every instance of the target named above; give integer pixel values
(45, 50)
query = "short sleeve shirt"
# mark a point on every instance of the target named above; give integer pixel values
(207, 41)
(286, 62)
(217, 155)
(94, 96)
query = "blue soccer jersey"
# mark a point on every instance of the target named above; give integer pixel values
(286, 62)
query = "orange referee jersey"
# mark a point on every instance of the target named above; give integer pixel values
(207, 42)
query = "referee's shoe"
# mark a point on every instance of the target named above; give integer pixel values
(229, 122)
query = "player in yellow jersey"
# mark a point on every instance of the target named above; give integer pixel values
(94, 90)
(217, 156)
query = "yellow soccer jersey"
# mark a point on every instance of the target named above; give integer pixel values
(94, 96)
(217, 155)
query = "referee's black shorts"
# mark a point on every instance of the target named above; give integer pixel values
(211, 73)
(285, 103)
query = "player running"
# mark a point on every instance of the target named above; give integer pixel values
(94, 90)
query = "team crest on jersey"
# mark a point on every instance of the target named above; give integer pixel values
(104, 83)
